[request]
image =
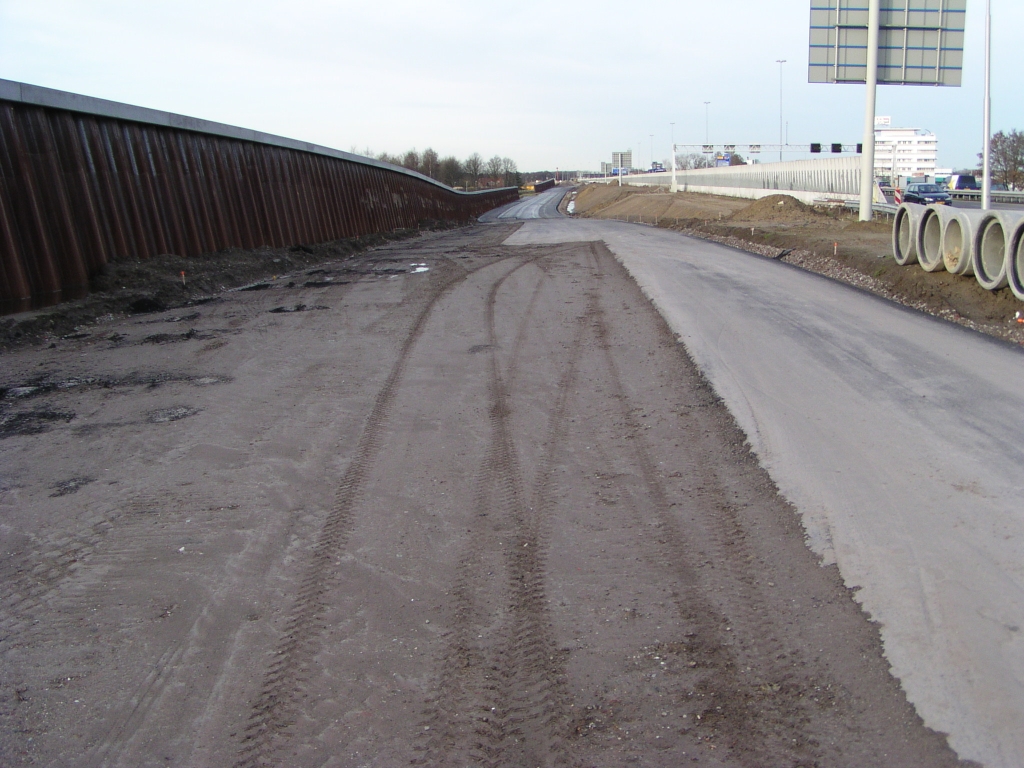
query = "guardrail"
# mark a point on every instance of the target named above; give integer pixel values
(997, 197)
(887, 209)
(85, 181)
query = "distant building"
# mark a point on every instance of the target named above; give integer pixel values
(606, 169)
(622, 160)
(904, 152)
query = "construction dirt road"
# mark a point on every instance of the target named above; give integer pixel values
(447, 502)
(829, 241)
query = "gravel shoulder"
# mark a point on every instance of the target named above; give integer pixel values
(444, 502)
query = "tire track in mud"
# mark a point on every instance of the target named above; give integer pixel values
(109, 748)
(282, 685)
(726, 703)
(29, 578)
(121, 729)
(503, 701)
(275, 707)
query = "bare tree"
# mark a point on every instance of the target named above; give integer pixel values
(511, 171)
(451, 171)
(430, 165)
(473, 166)
(411, 160)
(1008, 159)
(494, 166)
(694, 160)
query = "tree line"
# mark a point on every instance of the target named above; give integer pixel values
(1007, 159)
(696, 160)
(472, 173)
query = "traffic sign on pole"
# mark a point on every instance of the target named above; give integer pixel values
(920, 42)
(897, 42)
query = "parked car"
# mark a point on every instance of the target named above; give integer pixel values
(963, 182)
(925, 194)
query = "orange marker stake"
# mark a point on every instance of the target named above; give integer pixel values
(182, 278)
(835, 249)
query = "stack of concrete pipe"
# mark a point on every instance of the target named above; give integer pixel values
(986, 244)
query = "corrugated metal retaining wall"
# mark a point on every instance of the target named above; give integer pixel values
(85, 181)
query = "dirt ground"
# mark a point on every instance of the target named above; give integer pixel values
(133, 287)
(828, 241)
(440, 503)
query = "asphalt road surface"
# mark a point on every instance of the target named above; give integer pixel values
(899, 439)
(467, 500)
(542, 206)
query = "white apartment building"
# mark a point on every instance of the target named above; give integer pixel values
(904, 151)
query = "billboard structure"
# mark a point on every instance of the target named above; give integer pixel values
(898, 42)
(920, 42)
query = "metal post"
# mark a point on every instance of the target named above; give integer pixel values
(707, 125)
(672, 159)
(867, 170)
(986, 182)
(780, 62)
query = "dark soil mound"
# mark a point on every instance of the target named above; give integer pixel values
(778, 208)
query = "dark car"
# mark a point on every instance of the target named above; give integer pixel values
(964, 182)
(925, 194)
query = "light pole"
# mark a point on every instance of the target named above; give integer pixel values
(986, 181)
(652, 149)
(672, 157)
(780, 62)
(867, 159)
(707, 129)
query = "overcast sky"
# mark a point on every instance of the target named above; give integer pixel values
(550, 83)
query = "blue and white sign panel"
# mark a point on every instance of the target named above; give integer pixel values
(920, 42)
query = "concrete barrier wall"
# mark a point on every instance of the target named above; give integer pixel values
(836, 178)
(85, 181)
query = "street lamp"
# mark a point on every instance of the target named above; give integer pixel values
(780, 62)
(707, 130)
(652, 150)
(986, 182)
(672, 157)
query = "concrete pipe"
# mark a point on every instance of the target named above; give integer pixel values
(990, 257)
(904, 233)
(929, 236)
(1015, 261)
(960, 238)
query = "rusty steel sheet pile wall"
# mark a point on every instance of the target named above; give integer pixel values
(78, 190)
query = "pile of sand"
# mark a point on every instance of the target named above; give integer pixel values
(614, 202)
(779, 208)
